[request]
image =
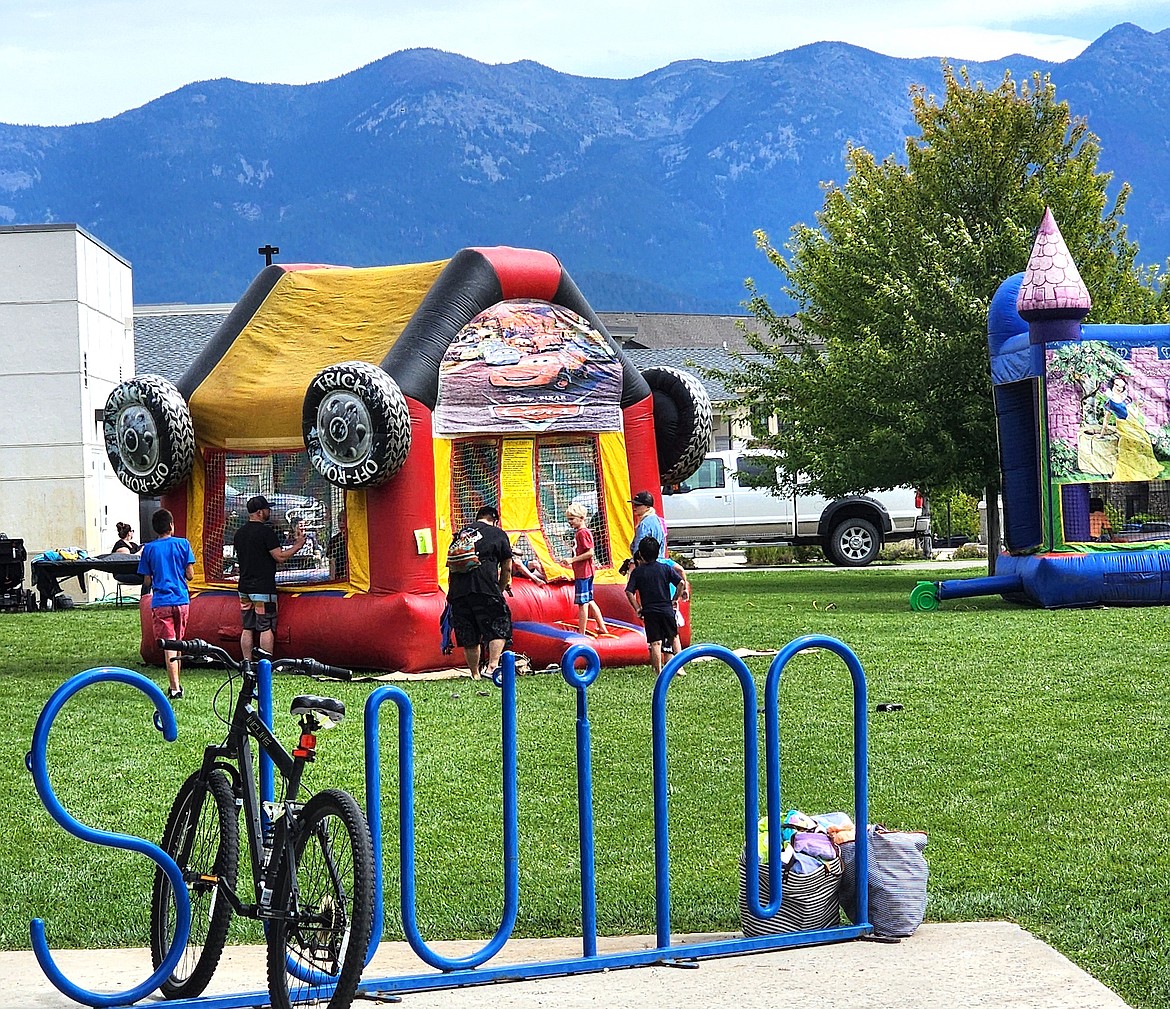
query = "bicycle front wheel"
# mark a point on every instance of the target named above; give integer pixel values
(202, 835)
(316, 952)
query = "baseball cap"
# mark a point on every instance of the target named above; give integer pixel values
(643, 497)
(257, 503)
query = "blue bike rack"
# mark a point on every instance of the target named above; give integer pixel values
(471, 970)
(474, 968)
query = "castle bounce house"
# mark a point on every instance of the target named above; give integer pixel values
(379, 408)
(1083, 414)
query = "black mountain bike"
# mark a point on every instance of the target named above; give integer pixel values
(312, 861)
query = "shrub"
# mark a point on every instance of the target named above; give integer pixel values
(768, 557)
(684, 561)
(902, 550)
(970, 551)
(955, 514)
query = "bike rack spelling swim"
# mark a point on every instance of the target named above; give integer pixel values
(475, 968)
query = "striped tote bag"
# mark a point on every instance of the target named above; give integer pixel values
(809, 899)
(897, 880)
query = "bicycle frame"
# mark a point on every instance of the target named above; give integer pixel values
(267, 835)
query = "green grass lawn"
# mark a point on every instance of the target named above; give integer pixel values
(1031, 747)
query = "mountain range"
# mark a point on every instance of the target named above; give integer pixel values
(647, 190)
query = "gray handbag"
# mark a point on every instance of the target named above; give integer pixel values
(897, 880)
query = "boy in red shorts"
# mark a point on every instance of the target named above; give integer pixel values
(167, 564)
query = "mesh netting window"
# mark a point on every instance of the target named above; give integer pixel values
(1133, 511)
(569, 472)
(299, 496)
(475, 478)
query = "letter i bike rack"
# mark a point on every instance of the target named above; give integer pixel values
(475, 968)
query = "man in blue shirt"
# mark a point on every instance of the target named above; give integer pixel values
(167, 564)
(647, 523)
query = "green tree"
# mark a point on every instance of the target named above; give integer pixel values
(886, 380)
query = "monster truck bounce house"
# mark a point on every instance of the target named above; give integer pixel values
(1083, 413)
(380, 408)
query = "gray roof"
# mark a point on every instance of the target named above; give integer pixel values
(692, 360)
(659, 331)
(167, 338)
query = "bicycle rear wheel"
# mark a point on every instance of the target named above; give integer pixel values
(202, 835)
(326, 884)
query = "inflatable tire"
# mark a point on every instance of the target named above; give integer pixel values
(356, 424)
(149, 435)
(682, 422)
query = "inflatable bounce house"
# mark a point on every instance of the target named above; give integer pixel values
(1083, 413)
(379, 409)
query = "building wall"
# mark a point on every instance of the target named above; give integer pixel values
(66, 338)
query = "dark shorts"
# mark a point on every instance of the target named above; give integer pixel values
(477, 618)
(258, 613)
(660, 625)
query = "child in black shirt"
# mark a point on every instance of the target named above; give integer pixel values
(648, 590)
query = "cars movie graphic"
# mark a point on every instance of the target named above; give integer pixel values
(528, 363)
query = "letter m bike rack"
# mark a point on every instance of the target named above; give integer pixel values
(474, 968)
(469, 970)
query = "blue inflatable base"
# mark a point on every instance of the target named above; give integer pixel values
(1113, 578)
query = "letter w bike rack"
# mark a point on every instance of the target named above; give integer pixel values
(474, 968)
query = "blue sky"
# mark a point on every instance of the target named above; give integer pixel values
(67, 61)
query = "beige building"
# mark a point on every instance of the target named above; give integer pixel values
(66, 339)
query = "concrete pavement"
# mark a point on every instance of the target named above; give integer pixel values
(943, 966)
(941, 566)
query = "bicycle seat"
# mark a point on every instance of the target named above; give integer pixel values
(327, 711)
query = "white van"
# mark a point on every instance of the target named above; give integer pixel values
(716, 506)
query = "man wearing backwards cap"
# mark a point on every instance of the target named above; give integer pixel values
(258, 551)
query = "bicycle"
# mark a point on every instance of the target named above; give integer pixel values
(312, 861)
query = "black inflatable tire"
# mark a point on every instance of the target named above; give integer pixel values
(150, 438)
(682, 422)
(356, 424)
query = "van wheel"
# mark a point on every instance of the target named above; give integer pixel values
(356, 424)
(853, 543)
(149, 436)
(682, 422)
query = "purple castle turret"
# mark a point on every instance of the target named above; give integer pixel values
(1053, 299)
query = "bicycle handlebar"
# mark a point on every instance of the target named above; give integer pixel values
(313, 668)
(198, 648)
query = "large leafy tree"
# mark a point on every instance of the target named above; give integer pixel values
(885, 382)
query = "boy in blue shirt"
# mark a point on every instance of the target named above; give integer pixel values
(167, 564)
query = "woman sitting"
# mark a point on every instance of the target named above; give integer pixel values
(125, 544)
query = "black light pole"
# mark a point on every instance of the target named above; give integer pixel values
(268, 251)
